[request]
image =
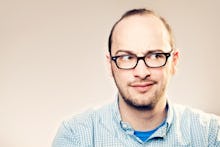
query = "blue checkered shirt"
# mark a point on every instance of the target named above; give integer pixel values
(103, 127)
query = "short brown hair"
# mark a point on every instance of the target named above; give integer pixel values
(141, 12)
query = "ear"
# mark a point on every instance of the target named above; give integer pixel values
(108, 62)
(175, 60)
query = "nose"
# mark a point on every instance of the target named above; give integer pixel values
(141, 70)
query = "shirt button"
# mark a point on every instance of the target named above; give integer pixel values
(125, 125)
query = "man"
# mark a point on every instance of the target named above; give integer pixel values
(142, 59)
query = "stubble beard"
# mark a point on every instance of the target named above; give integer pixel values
(150, 105)
(153, 99)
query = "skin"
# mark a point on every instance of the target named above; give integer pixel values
(142, 91)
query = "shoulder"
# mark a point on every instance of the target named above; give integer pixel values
(197, 124)
(87, 119)
(194, 114)
(79, 128)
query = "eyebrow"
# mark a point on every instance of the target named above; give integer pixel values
(131, 52)
(124, 51)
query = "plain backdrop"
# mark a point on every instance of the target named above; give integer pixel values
(52, 60)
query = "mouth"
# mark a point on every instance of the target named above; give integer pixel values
(143, 86)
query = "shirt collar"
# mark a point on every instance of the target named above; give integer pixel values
(116, 111)
(170, 116)
(117, 115)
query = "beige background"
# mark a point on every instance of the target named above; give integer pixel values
(52, 60)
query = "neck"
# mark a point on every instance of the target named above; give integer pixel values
(143, 120)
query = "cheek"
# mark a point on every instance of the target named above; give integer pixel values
(166, 75)
(160, 75)
(157, 74)
(122, 77)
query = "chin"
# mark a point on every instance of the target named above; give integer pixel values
(140, 104)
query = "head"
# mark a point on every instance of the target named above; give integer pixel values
(142, 33)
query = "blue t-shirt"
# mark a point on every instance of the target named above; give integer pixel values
(145, 135)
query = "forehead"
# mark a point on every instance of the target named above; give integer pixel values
(140, 33)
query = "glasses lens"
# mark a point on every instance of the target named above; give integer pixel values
(126, 61)
(155, 59)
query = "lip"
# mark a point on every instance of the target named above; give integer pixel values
(143, 87)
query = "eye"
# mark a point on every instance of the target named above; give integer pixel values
(126, 57)
(156, 56)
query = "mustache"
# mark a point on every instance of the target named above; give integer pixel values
(142, 82)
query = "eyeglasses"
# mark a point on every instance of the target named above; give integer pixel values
(151, 60)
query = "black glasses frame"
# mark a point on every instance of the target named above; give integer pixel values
(167, 55)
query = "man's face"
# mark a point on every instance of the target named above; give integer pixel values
(141, 87)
